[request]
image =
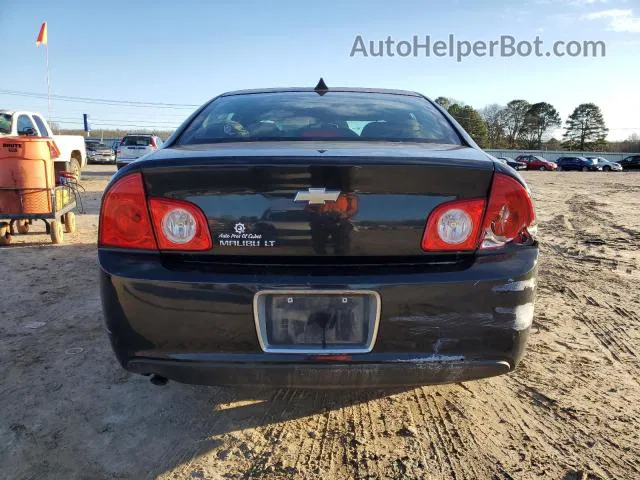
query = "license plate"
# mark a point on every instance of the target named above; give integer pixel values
(318, 321)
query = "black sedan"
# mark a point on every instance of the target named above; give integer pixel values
(631, 162)
(514, 163)
(318, 238)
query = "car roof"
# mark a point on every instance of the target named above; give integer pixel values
(311, 90)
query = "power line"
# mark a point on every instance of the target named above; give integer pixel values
(101, 101)
(99, 125)
(129, 120)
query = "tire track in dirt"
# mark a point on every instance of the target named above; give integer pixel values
(555, 421)
(272, 434)
(445, 447)
(307, 440)
(422, 408)
(459, 446)
(369, 437)
(614, 340)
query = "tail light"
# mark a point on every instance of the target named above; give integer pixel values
(465, 225)
(128, 221)
(153, 143)
(510, 215)
(179, 225)
(454, 226)
(124, 218)
(54, 151)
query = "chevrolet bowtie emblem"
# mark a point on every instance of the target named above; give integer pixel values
(316, 196)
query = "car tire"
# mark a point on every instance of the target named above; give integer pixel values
(606, 168)
(559, 169)
(542, 169)
(585, 169)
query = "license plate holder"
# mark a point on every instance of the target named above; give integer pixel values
(317, 321)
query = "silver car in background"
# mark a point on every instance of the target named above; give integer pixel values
(136, 146)
(606, 165)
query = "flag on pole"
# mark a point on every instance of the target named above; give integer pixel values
(42, 36)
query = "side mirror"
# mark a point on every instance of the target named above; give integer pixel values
(29, 132)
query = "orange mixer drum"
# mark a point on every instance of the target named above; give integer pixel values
(26, 174)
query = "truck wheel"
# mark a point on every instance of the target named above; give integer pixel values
(69, 222)
(74, 167)
(23, 226)
(5, 234)
(57, 233)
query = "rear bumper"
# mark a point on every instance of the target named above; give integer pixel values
(361, 375)
(436, 326)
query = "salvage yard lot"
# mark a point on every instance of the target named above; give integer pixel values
(573, 405)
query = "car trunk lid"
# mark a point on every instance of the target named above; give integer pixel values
(342, 202)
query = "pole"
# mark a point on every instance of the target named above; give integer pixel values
(46, 47)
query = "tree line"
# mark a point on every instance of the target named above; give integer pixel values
(520, 124)
(517, 125)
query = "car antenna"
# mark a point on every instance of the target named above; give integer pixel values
(321, 87)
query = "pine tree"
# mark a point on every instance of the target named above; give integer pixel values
(586, 128)
(515, 114)
(471, 121)
(540, 118)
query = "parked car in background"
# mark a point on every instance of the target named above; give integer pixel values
(606, 165)
(632, 162)
(513, 163)
(98, 152)
(73, 154)
(135, 146)
(502, 160)
(536, 162)
(373, 241)
(578, 163)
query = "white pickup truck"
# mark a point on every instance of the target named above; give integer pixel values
(73, 154)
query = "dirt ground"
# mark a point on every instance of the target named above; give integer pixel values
(570, 411)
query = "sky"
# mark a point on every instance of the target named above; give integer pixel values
(186, 52)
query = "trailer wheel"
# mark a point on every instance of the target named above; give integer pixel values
(57, 232)
(74, 167)
(23, 226)
(5, 234)
(69, 222)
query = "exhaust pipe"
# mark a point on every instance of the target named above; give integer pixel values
(158, 379)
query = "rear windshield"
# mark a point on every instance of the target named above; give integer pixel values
(348, 116)
(136, 141)
(5, 123)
